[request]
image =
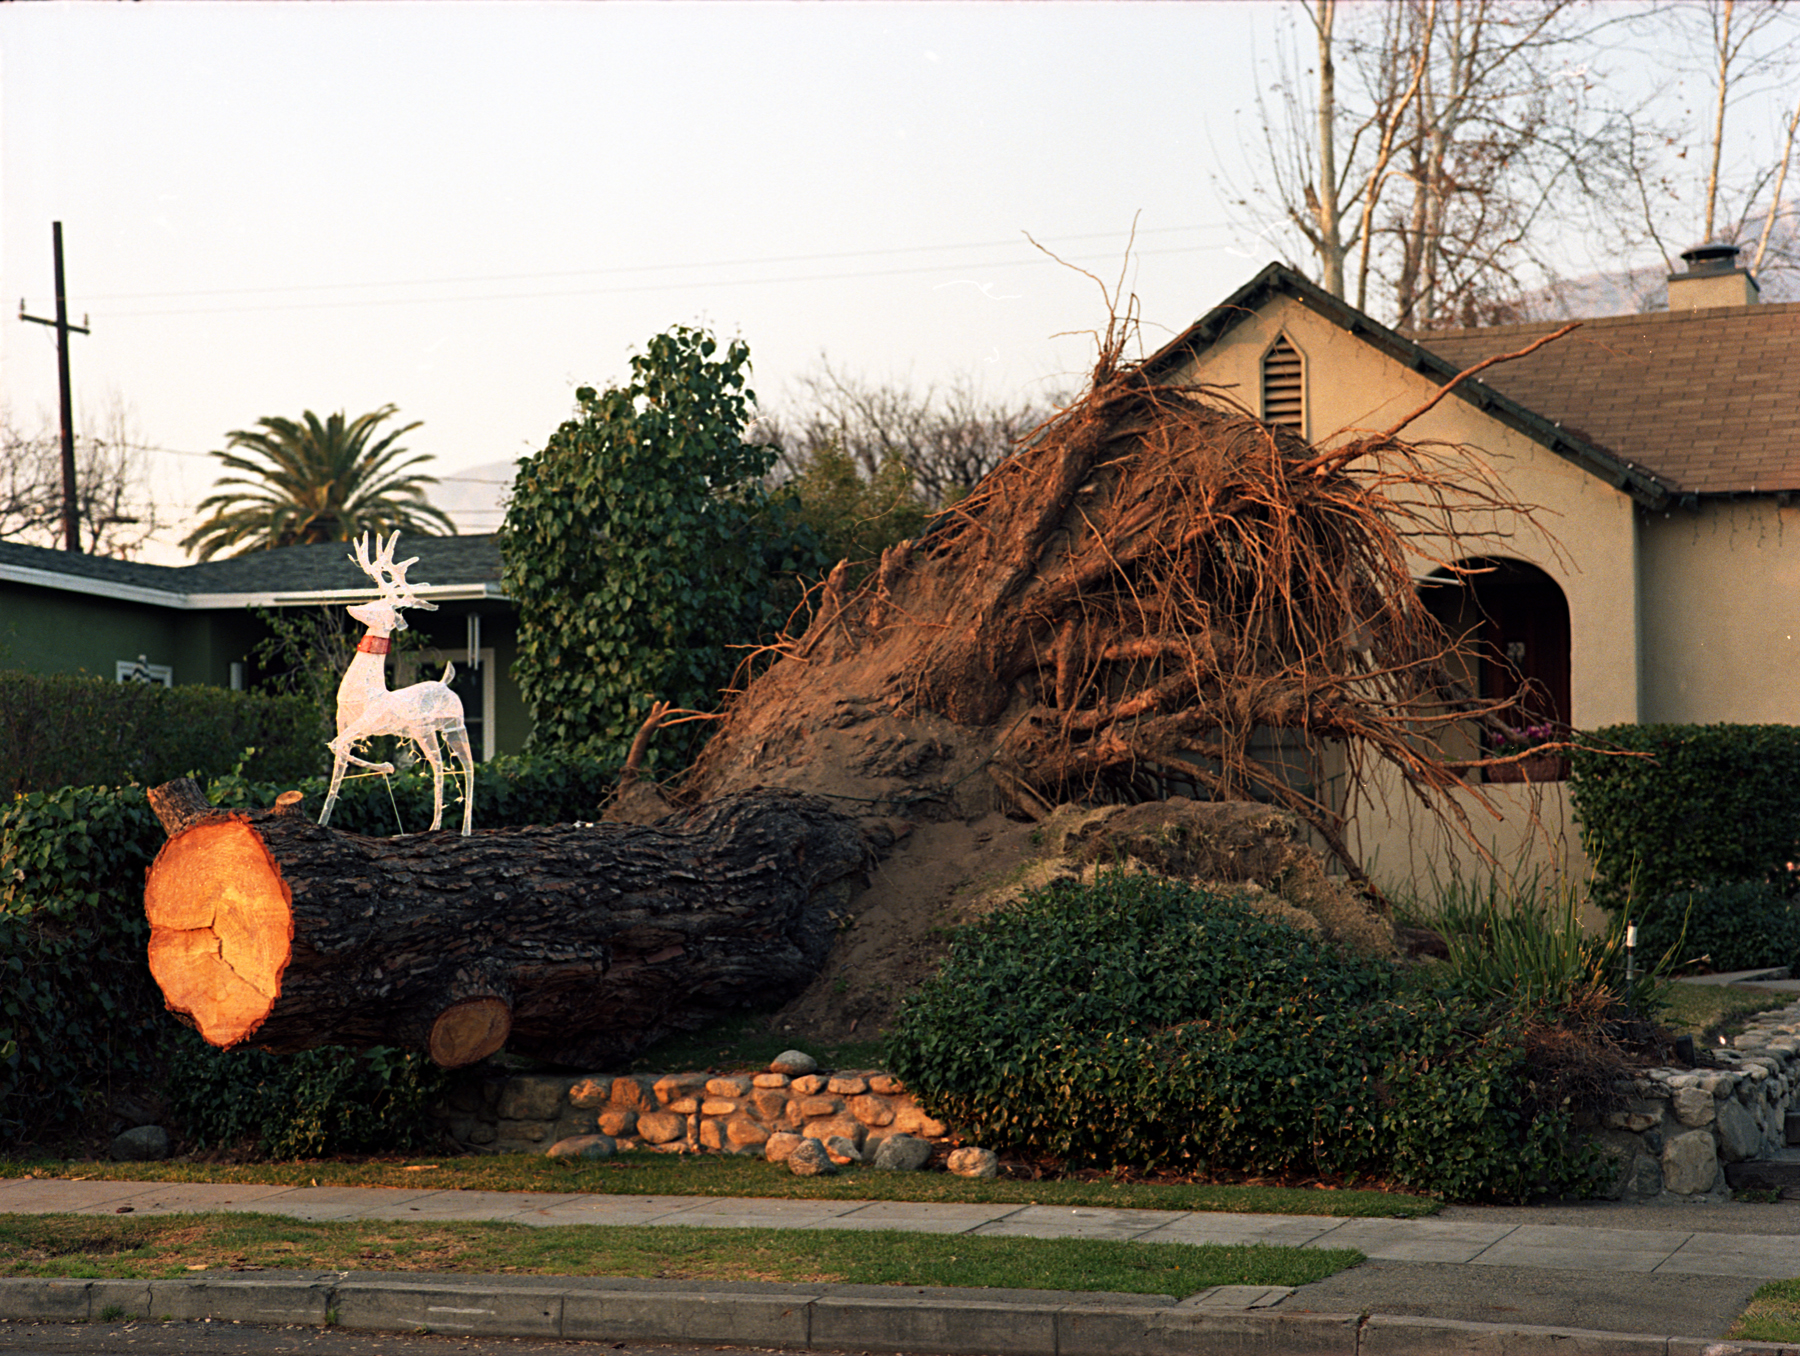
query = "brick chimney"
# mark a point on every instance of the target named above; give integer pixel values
(1712, 279)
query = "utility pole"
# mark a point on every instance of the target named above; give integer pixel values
(71, 510)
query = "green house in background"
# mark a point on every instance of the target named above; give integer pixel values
(66, 613)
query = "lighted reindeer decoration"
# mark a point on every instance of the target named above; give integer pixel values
(422, 712)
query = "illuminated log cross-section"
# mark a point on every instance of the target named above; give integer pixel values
(575, 945)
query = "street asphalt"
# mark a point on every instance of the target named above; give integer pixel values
(1597, 1277)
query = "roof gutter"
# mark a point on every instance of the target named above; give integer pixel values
(478, 591)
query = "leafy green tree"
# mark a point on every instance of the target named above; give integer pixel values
(641, 545)
(315, 481)
(857, 518)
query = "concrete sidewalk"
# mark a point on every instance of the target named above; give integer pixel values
(1625, 1280)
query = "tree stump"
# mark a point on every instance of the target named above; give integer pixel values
(578, 945)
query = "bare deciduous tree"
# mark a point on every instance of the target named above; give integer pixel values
(111, 470)
(1747, 52)
(947, 437)
(1319, 191)
(1446, 143)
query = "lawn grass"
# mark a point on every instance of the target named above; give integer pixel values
(1773, 1314)
(1708, 1011)
(650, 1174)
(169, 1246)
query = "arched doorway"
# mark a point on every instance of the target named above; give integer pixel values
(1512, 623)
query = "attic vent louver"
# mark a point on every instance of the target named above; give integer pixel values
(1284, 386)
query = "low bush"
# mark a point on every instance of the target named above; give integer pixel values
(326, 1101)
(58, 730)
(1666, 809)
(1145, 1022)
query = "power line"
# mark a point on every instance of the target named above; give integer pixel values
(600, 291)
(643, 268)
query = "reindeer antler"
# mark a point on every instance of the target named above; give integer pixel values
(389, 577)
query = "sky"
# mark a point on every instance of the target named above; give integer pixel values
(468, 210)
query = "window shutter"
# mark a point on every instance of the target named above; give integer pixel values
(1284, 386)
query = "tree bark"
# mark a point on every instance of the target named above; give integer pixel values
(578, 945)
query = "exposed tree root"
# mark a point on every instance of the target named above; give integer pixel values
(1158, 593)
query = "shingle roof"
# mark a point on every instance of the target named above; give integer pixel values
(1634, 478)
(443, 562)
(1709, 400)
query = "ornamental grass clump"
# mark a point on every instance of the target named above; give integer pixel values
(1141, 1021)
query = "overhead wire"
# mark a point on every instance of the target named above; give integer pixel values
(335, 303)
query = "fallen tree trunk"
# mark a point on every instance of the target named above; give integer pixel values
(576, 945)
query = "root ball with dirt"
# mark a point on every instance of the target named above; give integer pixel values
(1158, 595)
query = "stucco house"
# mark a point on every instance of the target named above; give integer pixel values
(61, 612)
(1663, 451)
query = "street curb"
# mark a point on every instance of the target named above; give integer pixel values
(938, 1321)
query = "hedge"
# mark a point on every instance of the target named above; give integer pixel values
(1144, 1022)
(1709, 804)
(59, 730)
(77, 1002)
(79, 1012)
(1730, 925)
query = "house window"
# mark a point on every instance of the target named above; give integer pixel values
(1512, 622)
(1284, 386)
(474, 686)
(140, 670)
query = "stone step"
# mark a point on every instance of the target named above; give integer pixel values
(1763, 1174)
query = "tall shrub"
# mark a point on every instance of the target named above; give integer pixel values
(641, 546)
(1665, 809)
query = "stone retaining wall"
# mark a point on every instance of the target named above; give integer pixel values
(1679, 1127)
(1671, 1140)
(682, 1112)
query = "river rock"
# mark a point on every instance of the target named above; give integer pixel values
(973, 1162)
(584, 1146)
(616, 1121)
(780, 1145)
(1693, 1106)
(809, 1159)
(1689, 1163)
(902, 1153)
(141, 1145)
(843, 1151)
(659, 1127)
(1739, 1137)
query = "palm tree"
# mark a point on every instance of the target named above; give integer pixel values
(317, 481)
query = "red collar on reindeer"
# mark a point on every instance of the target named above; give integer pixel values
(374, 645)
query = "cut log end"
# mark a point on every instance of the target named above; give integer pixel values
(221, 928)
(469, 1031)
